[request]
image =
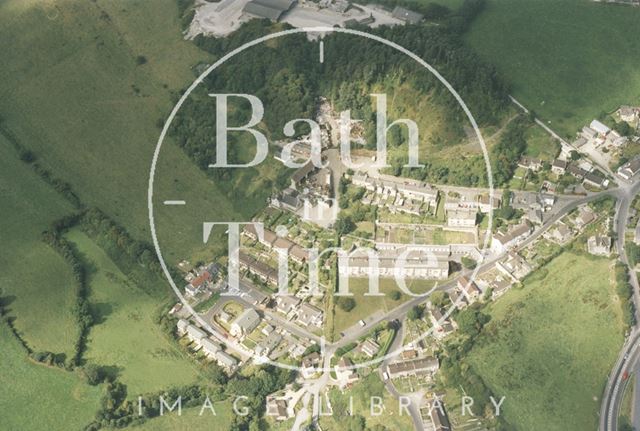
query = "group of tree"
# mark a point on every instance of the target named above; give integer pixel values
(624, 291)
(345, 303)
(288, 79)
(82, 309)
(119, 411)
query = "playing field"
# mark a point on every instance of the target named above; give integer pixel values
(34, 397)
(35, 280)
(126, 337)
(567, 60)
(550, 346)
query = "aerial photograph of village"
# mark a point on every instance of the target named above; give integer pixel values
(376, 215)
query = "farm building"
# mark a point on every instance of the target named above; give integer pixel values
(270, 9)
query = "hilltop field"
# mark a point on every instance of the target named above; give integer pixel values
(567, 60)
(35, 397)
(551, 344)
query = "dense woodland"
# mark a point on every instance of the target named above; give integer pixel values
(286, 75)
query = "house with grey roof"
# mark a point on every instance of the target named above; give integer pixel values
(209, 347)
(270, 9)
(309, 315)
(599, 245)
(286, 304)
(268, 344)
(502, 241)
(245, 323)
(195, 334)
(406, 15)
(370, 348)
(462, 218)
(225, 360)
(414, 367)
(629, 169)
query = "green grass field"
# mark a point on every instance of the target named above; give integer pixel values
(362, 391)
(567, 60)
(191, 419)
(71, 90)
(540, 144)
(367, 305)
(126, 336)
(34, 397)
(35, 279)
(550, 346)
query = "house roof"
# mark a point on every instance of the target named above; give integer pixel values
(248, 320)
(270, 342)
(209, 345)
(593, 178)
(599, 127)
(462, 214)
(513, 233)
(586, 217)
(439, 418)
(407, 15)
(256, 266)
(302, 172)
(370, 347)
(311, 360)
(291, 198)
(287, 301)
(308, 312)
(299, 252)
(277, 408)
(415, 365)
(468, 286)
(201, 279)
(196, 332)
(270, 236)
(576, 171)
(283, 243)
(182, 324)
(226, 359)
(272, 9)
(344, 362)
(388, 259)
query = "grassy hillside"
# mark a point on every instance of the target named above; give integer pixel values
(35, 279)
(567, 60)
(35, 397)
(126, 336)
(191, 419)
(362, 392)
(550, 345)
(73, 90)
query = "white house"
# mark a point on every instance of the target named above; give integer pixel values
(209, 347)
(469, 289)
(225, 360)
(308, 315)
(502, 241)
(629, 169)
(182, 327)
(461, 218)
(600, 128)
